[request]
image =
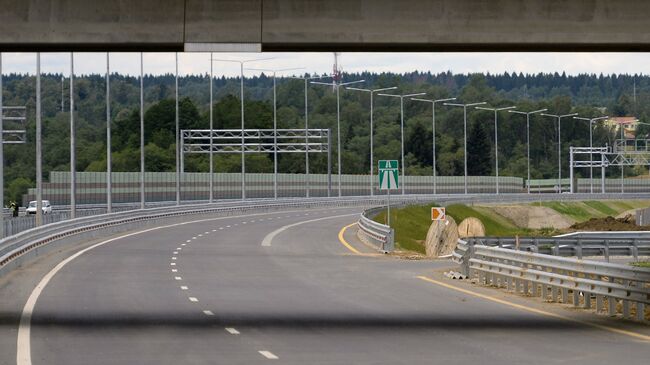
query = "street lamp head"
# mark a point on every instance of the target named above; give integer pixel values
(385, 89)
(351, 82)
(322, 83)
(357, 89)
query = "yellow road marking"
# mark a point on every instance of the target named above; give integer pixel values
(344, 242)
(537, 311)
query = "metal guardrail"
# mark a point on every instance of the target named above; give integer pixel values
(526, 271)
(19, 244)
(595, 245)
(373, 233)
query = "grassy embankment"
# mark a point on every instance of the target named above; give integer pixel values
(585, 210)
(412, 223)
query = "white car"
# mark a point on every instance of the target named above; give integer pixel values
(31, 209)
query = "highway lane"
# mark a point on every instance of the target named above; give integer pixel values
(210, 293)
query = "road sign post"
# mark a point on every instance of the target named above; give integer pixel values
(388, 179)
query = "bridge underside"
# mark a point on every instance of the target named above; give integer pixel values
(324, 25)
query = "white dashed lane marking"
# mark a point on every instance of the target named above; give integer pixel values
(188, 241)
(178, 278)
(173, 264)
(208, 313)
(184, 244)
(174, 270)
(268, 354)
(183, 287)
(193, 299)
(174, 258)
(175, 252)
(232, 331)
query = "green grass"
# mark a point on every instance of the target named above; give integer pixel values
(582, 211)
(411, 225)
(577, 211)
(602, 207)
(641, 264)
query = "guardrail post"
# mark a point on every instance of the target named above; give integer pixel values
(606, 250)
(599, 303)
(611, 306)
(390, 241)
(634, 250)
(626, 309)
(640, 311)
(576, 298)
(578, 249)
(587, 297)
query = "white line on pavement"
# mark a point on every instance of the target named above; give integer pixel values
(183, 287)
(268, 354)
(193, 299)
(208, 313)
(232, 331)
(174, 270)
(269, 237)
(178, 278)
(23, 343)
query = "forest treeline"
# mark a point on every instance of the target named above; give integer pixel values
(587, 94)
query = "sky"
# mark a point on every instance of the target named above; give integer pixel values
(321, 63)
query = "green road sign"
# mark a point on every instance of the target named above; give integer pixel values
(388, 175)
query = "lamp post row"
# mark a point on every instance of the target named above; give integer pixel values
(307, 80)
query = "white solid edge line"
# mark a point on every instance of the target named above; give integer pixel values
(23, 342)
(268, 354)
(232, 331)
(266, 242)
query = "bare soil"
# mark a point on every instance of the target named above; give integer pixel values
(609, 224)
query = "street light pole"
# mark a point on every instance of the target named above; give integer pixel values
(243, 139)
(528, 114)
(372, 93)
(433, 134)
(275, 124)
(401, 108)
(39, 146)
(496, 139)
(337, 86)
(211, 178)
(464, 106)
(141, 131)
(306, 80)
(178, 151)
(73, 159)
(591, 145)
(109, 198)
(559, 146)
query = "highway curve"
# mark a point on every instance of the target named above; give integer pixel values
(215, 291)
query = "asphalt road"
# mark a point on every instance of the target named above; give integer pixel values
(210, 292)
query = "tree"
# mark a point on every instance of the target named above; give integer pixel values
(478, 151)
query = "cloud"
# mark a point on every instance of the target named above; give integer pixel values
(199, 63)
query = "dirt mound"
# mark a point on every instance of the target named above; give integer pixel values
(441, 238)
(533, 217)
(471, 227)
(609, 224)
